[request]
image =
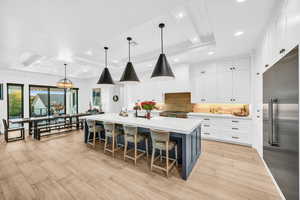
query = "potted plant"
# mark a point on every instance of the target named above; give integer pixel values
(148, 106)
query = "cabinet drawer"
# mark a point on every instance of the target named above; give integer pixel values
(237, 137)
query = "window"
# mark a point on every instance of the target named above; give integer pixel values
(97, 97)
(72, 96)
(38, 98)
(48, 100)
(15, 98)
(57, 101)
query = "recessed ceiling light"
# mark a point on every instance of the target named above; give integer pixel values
(195, 39)
(115, 61)
(180, 15)
(211, 53)
(176, 60)
(240, 1)
(89, 52)
(238, 33)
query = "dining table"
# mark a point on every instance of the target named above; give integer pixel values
(33, 122)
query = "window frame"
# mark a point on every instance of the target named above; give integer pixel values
(7, 98)
(48, 89)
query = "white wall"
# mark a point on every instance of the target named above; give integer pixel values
(26, 78)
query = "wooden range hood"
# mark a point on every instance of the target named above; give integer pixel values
(178, 98)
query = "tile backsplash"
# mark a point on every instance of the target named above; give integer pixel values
(206, 108)
(221, 108)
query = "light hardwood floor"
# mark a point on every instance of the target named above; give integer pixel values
(65, 168)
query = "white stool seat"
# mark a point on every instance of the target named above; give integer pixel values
(162, 145)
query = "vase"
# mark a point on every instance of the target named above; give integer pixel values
(148, 114)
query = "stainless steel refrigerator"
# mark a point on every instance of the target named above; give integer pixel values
(281, 123)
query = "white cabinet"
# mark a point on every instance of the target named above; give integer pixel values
(283, 33)
(230, 130)
(233, 81)
(241, 86)
(204, 85)
(292, 14)
(224, 86)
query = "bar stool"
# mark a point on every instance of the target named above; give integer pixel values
(161, 141)
(94, 129)
(113, 133)
(131, 135)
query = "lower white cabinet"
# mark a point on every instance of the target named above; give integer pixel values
(225, 129)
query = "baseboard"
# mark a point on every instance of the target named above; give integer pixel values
(274, 181)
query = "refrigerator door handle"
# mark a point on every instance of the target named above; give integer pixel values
(272, 137)
(275, 140)
(270, 122)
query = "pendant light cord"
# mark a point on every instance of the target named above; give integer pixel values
(65, 71)
(129, 43)
(161, 26)
(106, 56)
(162, 41)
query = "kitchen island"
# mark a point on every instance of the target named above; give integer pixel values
(186, 132)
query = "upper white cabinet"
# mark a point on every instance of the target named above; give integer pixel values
(233, 81)
(282, 34)
(221, 82)
(204, 84)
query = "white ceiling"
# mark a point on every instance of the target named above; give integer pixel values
(39, 36)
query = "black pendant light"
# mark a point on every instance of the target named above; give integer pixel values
(162, 67)
(105, 78)
(129, 75)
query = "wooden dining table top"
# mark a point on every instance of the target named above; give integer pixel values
(52, 117)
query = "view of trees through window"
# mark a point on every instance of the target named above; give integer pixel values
(15, 101)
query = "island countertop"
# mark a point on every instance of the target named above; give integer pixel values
(176, 125)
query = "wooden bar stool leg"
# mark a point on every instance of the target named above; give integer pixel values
(167, 158)
(105, 143)
(147, 148)
(176, 155)
(125, 149)
(152, 158)
(160, 154)
(113, 145)
(135, 149)
(94, 138)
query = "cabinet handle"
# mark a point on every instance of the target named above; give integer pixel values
(258, 116)
(235, 129)
(235, 121)
(206, 119)
(281, 51)
(206, 133)
(206, 125)
(233, 99)
(235, 137)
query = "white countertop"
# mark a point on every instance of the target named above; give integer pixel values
(178, 125)
(218, 115)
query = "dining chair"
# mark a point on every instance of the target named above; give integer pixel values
(132, 136)
(161, 141)
(7, 130)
